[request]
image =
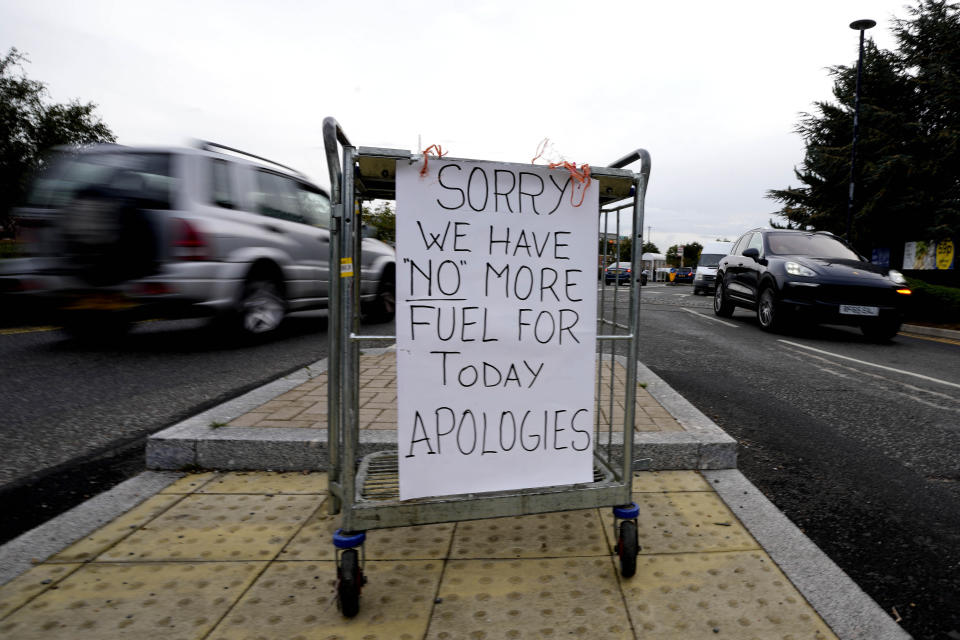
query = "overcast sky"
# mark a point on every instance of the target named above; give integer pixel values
(712, 89)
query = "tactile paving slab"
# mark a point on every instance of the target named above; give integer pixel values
(423, 542)
(190, 482)
(105, 537)
(684, 522)
(740, 595)
(663, 481)
(534, 598)
(156, 600)
(40, 578)
(219, 527)
(545, 535)
(297, 601)
(265, 482)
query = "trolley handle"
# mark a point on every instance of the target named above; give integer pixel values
(638, 154)
(332, 133)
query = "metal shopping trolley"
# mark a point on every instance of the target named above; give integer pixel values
(366, 490)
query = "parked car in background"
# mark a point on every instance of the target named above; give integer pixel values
(788, 275)
(617, 272)
(684, 274)
(116, 234)
(704, 278)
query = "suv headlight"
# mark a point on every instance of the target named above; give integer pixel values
(797, 269)
(896, 277)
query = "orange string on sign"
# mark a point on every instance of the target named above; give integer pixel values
(579, 177)
(439, 152)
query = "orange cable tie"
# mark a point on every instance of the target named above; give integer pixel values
(426, 155)
(581, 176)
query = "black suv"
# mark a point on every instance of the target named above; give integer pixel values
(787, 274)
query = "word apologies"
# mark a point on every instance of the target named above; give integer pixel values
(483, 432)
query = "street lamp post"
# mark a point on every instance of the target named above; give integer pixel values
(861, 26)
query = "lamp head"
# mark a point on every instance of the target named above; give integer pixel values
(863, 25)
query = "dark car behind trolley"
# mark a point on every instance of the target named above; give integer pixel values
(789, 275)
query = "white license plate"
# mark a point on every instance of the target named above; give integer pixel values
(858, 310)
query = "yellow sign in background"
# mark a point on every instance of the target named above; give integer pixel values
(945, 254)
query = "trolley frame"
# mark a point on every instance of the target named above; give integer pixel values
(366, 491)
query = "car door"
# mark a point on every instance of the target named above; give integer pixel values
(733, 266)
(749, 273)
(307, 246)
(315, 206)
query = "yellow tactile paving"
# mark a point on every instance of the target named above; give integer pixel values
(662, 481)
(545, 598)
(24, 587)
(739, 595)
(683, 522)
(297, 600)
(315, 541)
(102, 539)
(266, 482)
(190, 483)
(568, 533)
(206, 565)
(105, 601)
(219, 527)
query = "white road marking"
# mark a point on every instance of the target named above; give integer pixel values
(872, 364)
(706, 317)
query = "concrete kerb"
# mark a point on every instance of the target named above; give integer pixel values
(843, 605)
(199, 443)
(935, 332)
(36, 545)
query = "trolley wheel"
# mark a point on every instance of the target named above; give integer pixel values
(349, 582)
(627, 548)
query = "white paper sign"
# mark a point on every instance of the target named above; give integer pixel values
(496, 327)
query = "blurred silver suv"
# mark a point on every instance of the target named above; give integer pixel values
(113, 234)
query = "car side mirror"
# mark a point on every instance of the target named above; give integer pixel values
(752, 252)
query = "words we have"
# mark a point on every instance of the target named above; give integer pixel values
(505, 241)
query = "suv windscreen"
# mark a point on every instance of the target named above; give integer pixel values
(710, 259)
(809, 244)
(144, 175)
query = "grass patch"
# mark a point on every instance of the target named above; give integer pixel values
(933, 303)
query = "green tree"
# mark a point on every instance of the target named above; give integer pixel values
(691, 253)
(908, 147)
(382, 221)
(649, 247)
(30, 126)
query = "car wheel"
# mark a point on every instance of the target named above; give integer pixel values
(721, 305)
(262, 308)
(383, 307)
(769, 313)
(882, 331)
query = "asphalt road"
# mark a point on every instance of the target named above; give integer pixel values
(858, 443)
(65, 402)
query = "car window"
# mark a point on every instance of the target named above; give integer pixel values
(710, 259)
(756, 242)
(315, 206)
(741, 245)
(221, 189)
(146, 175)
(809, 244)
(276, 196)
